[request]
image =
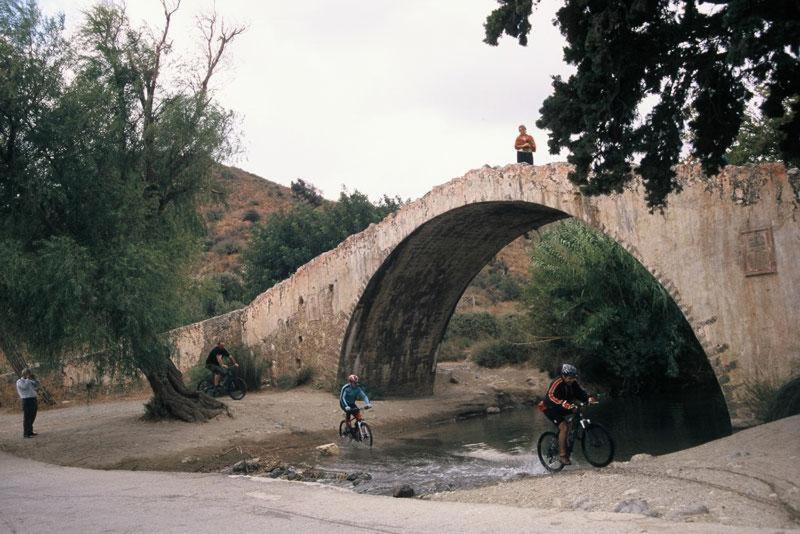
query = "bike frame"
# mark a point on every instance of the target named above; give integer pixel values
(576, 431)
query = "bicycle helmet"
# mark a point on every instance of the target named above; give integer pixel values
(353, 379)
(568, 370)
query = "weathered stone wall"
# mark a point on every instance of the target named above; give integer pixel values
(378, 304)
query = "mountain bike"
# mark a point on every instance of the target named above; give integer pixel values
(359, 433)
(596, 442)
(230, 384)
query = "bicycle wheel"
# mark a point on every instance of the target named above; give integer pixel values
(365, 435)
(205, 386)
(548, 452)
(236, 388)
(597, 445)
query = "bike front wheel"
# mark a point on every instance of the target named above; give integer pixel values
(237, 388)
(548, 452)
(206, 386)
(597, 445)
(365, 435)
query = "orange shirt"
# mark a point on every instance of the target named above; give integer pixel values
(522, 141)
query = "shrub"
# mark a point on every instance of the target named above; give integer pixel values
(453, 349)
(770, 402)
(226, 246)
(473, 326)
(289, 381)
(305, 375)
(251, 370)
(214, 215)
(286, 381)
(251, 216)
(498, 353)
(196, 374)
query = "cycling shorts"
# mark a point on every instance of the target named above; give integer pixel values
(556, 413)
(216, 369)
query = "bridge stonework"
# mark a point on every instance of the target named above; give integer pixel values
(726, 248)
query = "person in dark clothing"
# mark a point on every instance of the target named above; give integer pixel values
(215, 362)
(558, 403)
(26, 388)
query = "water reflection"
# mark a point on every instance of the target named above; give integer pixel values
(502, 447)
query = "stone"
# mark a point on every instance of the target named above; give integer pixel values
(403, 491)
(636, 458)
(634, 506)
(691, 509)
(582, 502)
(247, 466)
(630, 491)
(329, 449)
(492, 410)
(454, 379)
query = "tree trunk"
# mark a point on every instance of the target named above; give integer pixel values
(181, 403)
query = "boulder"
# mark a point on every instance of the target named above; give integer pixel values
(329, 449)
(634, 506)
(403, 491)
(492, 410)
(247, 466)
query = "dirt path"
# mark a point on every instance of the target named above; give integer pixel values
(749, 479)
(109, 435)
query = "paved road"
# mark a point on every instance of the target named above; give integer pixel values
(43, 498)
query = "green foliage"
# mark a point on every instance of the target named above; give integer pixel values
(290, 239)
(498, 282)
(759, 140)
(306, 192)
(473, 326)
(226, 246)
(496, 353)
(770, 402)
(607, 314)
(101, 167)
(196, 374)
(695, 65)
(482, 331)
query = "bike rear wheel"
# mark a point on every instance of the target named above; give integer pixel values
(548, 452)
(597, 445)
(236, 388)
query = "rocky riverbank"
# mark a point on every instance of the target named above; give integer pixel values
(748, 479)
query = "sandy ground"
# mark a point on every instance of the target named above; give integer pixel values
(112, 435)
(749, 479)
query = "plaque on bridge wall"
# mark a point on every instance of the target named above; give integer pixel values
(759, 252)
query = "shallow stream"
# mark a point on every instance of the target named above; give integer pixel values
(491, 449)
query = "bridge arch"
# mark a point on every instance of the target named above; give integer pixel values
(356, 307)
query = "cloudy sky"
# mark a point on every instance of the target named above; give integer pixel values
(377, 95)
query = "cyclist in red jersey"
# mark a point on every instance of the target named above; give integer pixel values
(558, 403)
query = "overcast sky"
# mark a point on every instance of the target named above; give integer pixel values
(378, 95)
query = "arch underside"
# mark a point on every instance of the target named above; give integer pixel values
(395, 329)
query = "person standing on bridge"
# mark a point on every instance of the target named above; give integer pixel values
(525, 146)
(26, 388)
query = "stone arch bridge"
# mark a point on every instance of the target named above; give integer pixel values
(726, 249)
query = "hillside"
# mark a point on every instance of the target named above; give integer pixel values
(239, 200)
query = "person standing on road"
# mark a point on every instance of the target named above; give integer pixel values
(26, 388)
(525, 146)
